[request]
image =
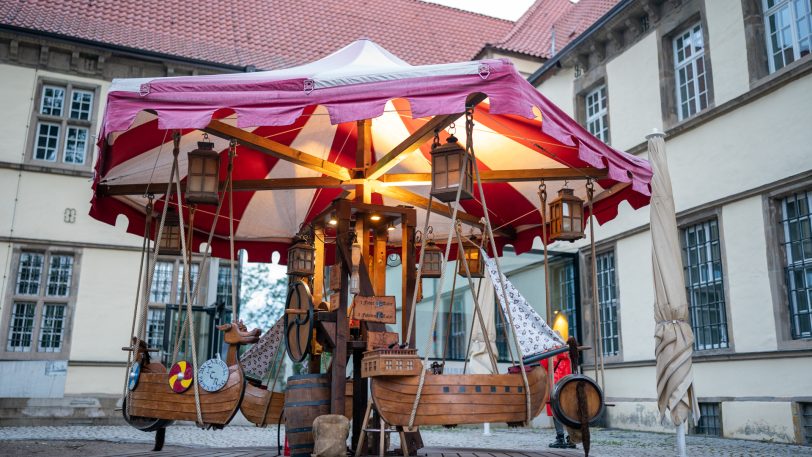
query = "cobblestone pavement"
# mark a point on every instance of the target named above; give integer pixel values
(89, 440)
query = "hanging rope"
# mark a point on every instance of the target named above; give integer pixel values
(181, 329)
(547, 302)
(450, 311)
(235, 306)
(598, 329)
(274, 363)
(469, 145)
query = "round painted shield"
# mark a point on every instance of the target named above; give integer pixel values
(212, 375)
(132, 378)
(181, 376)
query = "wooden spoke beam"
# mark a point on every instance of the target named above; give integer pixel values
(278, 150)
(239, 186)
(437, 207)
(413, 141)
(548, 174)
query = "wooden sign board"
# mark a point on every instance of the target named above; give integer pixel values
(334, 304)
(335, 277)
(374, 309)
(381, 340)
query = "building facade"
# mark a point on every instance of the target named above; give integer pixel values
(730, 84)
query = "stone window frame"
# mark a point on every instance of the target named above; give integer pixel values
(64, 122)
(671, 25)
(697, 218)
(175, 282)
(582, 86)
(41, 299)
(755, 38)
(587, 304)
(776, 261)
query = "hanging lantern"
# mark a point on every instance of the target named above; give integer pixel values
(476, 264)
(202, 180)
(432, 261)
(355, 258)
(447, 174)
(566, 216)
(170, 238)
(301, 258)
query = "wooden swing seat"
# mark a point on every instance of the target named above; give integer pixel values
(460, 398)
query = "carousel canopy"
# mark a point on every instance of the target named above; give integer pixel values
(301, 134)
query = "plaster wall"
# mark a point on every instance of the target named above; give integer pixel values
(752, 320)
(768, 379)
(32, 378)
(17, 92)
(728, 49)
(5, 267)
(97, 380)
(640, 415)
(633, 84)
(104, 305)
(636, 286)
(758, 420)
(558, 88)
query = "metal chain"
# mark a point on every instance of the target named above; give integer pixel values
(547, 301)
(598, 330)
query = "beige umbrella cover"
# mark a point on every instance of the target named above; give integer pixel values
(673, 336)
(480, 359)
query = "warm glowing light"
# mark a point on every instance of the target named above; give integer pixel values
(375, 218)
(332, 220)
(390, 227)
(561, 325)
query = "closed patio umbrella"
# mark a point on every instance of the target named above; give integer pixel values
(673, 336)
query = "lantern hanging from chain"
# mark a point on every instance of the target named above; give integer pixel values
(355, 258)
(301, 257)
(432, 261)
(472, 258)
(202, 179)
(447, 173)
(170, 238)
(566, 216)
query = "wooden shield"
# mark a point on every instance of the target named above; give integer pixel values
(298, 321)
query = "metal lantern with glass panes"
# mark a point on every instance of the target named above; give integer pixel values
(202, 179)
(476, 264)
(566, 216)
(446, 173)
(170, 238)
(432, 261)
(301, 257)
(355, 258)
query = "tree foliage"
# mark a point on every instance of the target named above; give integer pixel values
(262, 295)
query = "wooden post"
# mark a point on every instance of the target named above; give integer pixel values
(379, 262)
(363, 158)
(339, 371)
(318, 277)
(408, 273)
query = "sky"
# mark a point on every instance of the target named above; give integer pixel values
(505, 9)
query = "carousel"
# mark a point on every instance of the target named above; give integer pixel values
(340, 166)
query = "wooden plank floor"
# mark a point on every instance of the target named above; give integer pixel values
(269, 451)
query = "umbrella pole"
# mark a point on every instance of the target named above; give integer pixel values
(681, 439)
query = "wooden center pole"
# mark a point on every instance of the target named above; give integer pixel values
(339, 366)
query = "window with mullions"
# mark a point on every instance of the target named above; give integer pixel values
(502, 342)
(788, 29)
(607, 302)
(167, 283)
(155, 327)
(797, 228)
(710, 420)
(597, 115)
(563, 294)
(702, 262)
(457, 330)
(63, 123)
(43, 289)
(180, 297)
(690, 72)
(224, 283)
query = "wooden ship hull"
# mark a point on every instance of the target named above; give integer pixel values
(453, 399)
(253, 405)
(154, 398)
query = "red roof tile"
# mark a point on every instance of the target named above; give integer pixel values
(268, 34)
(532, 33)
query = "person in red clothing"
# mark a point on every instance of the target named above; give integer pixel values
(561, 367)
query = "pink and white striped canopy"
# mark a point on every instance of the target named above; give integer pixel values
(314, 108)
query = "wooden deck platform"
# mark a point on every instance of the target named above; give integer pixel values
(269, 452)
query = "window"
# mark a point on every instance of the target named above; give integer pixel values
(224, 284)
(710, 421)
(563, 285)
(607, 302)
(701, 257)
(690, 71)
(805, 410)
(597, 116)
(44, 289)
(457, 330)
(502, 342)
(155, 327)
(788, 29)
(797, 239)
(63, 124)
(167, 282)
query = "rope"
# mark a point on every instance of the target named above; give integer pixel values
(420, 270)
(436, 296)
(450, 311)
(471, 332)
(547, 301)
(278, 367)
(181, 329)
(590, 191)
(469, 126)
(235, 306)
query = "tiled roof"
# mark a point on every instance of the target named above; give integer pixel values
(532, 33)
(268, 34)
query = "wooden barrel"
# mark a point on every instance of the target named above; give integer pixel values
(306, 398)
(564, 400)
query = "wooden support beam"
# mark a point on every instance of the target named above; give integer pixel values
(379, 262)
(339, 366)
(244, 185)
(419, 201)
(318, 277)
(278, 150)
(548, 174)
(413, 141)
(363, 158)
